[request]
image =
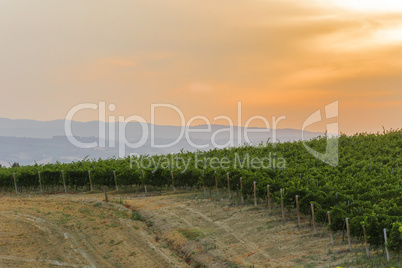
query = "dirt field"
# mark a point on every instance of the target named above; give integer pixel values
(168, 230)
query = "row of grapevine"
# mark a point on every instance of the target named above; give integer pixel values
(365, 187)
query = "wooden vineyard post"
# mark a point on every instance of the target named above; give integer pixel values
(227, 175)
(104, 190)
(15, 184)
(241, 190)
(203, 183)
(365, 242)
(348, 233)
(64, 181)
(40, 183)
(331, 234)
(255, 194)
(145, 186)
(312, 218)
(115, 180)
(216, 183)
(297, 211)
(283, 209)
(174, 188)
(269, 200)
(230, 196)
(386, 243)
(90, 181)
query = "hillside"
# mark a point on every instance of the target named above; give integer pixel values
(365, 186)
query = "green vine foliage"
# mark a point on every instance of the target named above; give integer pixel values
(365, 186)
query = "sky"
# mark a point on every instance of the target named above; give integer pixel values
(277, 57)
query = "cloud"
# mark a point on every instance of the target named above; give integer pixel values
(100, 68)
(200, 88)
(276, 56)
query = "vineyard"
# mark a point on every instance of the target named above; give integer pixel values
(365, 187)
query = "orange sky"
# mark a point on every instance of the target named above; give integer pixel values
(278, 57)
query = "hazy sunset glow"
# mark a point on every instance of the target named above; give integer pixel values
(370, 5)
(277, 57)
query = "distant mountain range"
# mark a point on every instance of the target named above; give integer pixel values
(30, 141)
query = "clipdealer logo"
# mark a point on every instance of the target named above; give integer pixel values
(331, 155)
(113, 139)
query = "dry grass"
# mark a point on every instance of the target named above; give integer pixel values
(169, 230)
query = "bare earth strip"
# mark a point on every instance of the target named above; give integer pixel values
(174, 230)
(222, 233)
(71, 231)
